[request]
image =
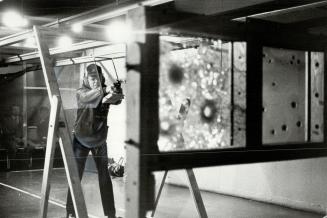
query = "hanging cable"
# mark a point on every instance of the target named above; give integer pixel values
(96, 70)
(117, 84)
(113, 63)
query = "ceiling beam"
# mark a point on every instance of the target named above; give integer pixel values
(209, 7)
(283, 10)
(86, 35)
(88, 17)
(106, 12)
(88, 59)
(59, 50)
(8, 40)
(307, 24)
(14, 50)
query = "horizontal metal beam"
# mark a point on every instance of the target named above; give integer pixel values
(8, 40)
(271, 33)
(88, 59)
(209, 7)
(310, 23)
(230, 156)
(45, 88)
(54, 51)
(88, 17)
(6, 31)
(283, 11)
(86, 35)
(15, 50)
(281, 36)
(77, 60)
(106, 12)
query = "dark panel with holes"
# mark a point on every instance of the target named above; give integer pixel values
(284, 96)
(317, 96)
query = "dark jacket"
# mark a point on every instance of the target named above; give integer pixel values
(91, 122)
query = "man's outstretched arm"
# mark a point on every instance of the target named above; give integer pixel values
(89, 96)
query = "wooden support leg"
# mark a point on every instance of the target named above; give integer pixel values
(193, 186)
(50, 150)
(65, 140)
(196, 194)
(159, 193)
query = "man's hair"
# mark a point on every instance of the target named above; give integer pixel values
(94, 70)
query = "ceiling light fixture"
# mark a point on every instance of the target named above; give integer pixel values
(119, 31)
(14, 19)
(77, 27)
(65, 41)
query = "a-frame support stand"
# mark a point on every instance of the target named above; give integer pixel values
(65, 140)
(194, 188)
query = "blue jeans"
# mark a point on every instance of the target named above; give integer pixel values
(100, 157)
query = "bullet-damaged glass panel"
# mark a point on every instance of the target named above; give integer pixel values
(194, 93)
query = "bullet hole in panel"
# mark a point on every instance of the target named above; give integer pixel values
(293, 104)
(284, 127)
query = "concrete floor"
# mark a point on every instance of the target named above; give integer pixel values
(20, 191)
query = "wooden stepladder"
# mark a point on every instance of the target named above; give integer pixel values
(65, 140)
(194, 188)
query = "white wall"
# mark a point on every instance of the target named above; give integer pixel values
(297, 184)
(117, 115)
(117, 131)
